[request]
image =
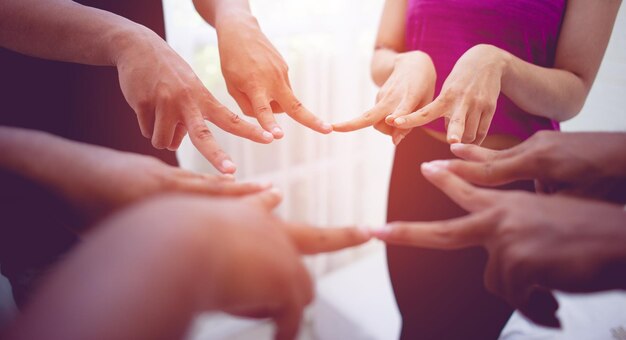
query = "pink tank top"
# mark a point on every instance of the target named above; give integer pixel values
(529, 29)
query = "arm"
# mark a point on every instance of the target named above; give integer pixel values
(559, 93)
(469, 95)
(97, 180)
(256, 74)
(535, 243)
(67, 31)
(161, 262)
(168, 103)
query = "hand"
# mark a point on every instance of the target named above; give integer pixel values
(580, 164)
(534, 242)
(410, 86)
(256, 75)
(262, 275)
(468, 97)
(170, 101)
(102, 180)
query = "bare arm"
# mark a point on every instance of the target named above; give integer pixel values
(390, 40)
(67, 31)
(559, 93)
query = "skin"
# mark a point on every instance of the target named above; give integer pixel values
(97, 180)
(566, 243)
(168, 98)
(585, 164)
(256, 74)
(214, 259)
(469, 95)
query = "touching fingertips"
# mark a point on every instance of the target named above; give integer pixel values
(382, 233)
(326, 128)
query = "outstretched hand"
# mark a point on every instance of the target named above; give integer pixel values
(171, 101)
(535, 243)
(257, 76)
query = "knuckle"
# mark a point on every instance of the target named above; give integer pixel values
(201, 131)
(296, 106)
(234, 118)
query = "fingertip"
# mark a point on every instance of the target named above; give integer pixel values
(267, 137)
(454, 139)
(277, 132)
(456, 147)
(382, 233)
(399, 121)
(228, 167)
(326, 128)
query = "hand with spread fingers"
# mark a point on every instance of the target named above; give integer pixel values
(411, 85)
(256, 74)
(173, 102)
(535, 243)
(467, 99)
(583, 164)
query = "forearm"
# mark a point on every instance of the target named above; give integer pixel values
(214, 11)
(135, 277)
(66, 31)
(46, 159)
(548, 92)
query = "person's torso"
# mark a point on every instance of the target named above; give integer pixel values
(529, 29)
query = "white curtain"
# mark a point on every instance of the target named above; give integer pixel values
(336, 179)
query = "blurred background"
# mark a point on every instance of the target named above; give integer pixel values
(342, 178)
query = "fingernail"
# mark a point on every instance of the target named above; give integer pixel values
(277, 132)
(228, 166)
(429, 167)
(454, 139)
(381, 233)
(326, 127)
(399, 121)
(228, 177)
(268, 136)
(456, 146)
(440, 164)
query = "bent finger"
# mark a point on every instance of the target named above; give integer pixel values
(205, 143)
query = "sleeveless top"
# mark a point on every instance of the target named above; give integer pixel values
(529, 29)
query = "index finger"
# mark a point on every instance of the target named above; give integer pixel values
(491, 173)
(464, 194)
(369, 118)
(202, 138)
(294, 108)
(314, 240)
(467, 231)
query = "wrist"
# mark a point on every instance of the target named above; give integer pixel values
(127, 42)
(239, 18)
